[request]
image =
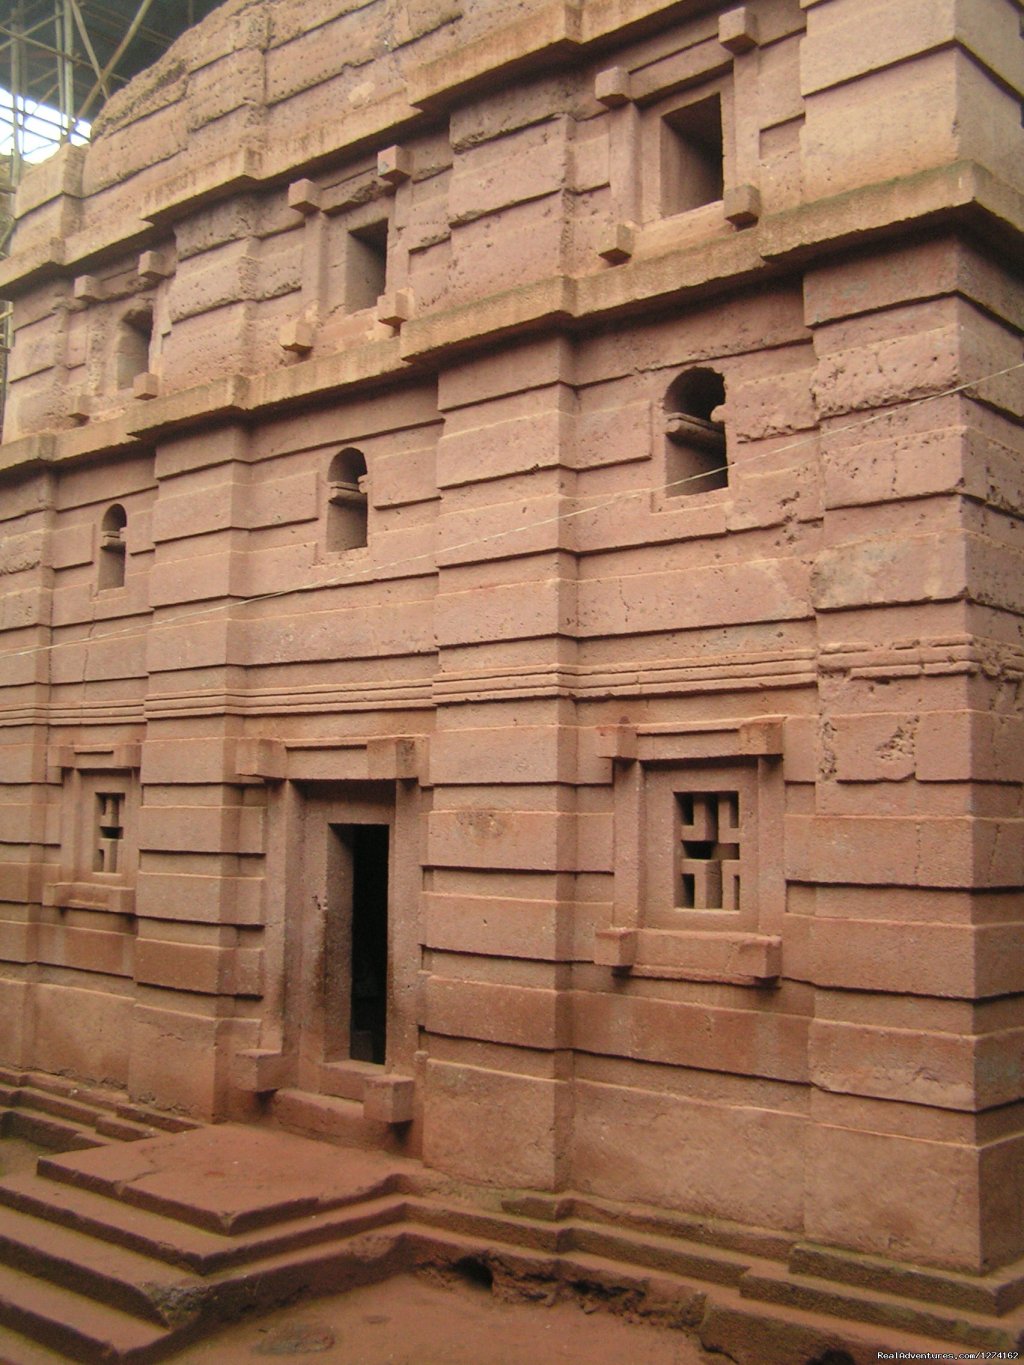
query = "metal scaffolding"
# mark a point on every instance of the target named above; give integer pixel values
(59, 61)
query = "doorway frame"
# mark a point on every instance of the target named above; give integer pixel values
(313, 784)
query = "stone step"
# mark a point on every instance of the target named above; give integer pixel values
(997, 1293)
(152, 1234)
(156, 1118)
(330, 1118)
(94, 1268)
(78, 1327)
(758, 1244)
(181, 1244)
(667, 1255)
(59, 1106)
(100, 1097)
(122, 1130)
(880, 1309)
(57, 1135)
(80, 1109)
(468, 1222)
(176, 1208)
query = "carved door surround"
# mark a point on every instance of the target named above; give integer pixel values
(321, 789)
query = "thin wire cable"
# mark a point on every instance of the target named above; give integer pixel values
(375, 571)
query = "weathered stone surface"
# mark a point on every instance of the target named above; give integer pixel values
(510, 586)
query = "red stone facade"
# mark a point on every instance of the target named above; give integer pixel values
(545, 478)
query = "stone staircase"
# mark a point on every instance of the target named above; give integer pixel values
(125, 1253)
(65, 1115)
(128, 1251)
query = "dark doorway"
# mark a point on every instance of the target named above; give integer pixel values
(368, 989)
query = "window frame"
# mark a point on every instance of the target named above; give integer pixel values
(649, 934)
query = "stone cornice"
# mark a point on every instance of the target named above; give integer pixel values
(959, 194)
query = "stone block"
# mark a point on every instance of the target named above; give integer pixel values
(666, 1150)
(615, 948)
(395, 307)
(618, 243)
(469, 1114)
(741, 205)
(178, 1059)
(731, 1040)
(394, 164)
(876, 1193)
(155, 266)
(738, 30)
(612, 87)
(524, 166)
(519, 1016)
(389, 1098)
(493, 925)
(89, 289)
(83, 1031)
(298, 336)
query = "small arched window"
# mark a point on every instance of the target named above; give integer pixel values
(132, 348)
(695, 456)
(346, 500)
(112, 547)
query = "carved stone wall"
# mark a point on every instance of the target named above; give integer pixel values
(583, 442)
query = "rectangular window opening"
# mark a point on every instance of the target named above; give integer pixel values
(692, 156)
(366, 266)
(109, 831)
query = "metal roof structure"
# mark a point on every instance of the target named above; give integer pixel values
(60, 59)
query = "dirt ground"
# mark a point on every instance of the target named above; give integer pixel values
(411, 1321)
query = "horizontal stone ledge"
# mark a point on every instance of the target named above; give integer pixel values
(945, 192)
(559, 303)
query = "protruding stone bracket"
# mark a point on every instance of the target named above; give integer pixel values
(394, 165)
(146, 385)
(742, 205)
(305, 197)
(395, 308)
(618, 244)
(737, 30)
(394, 759)
(297, 335)
(617, 742)
(155, 266)
(263, 758)
(88, 289)
(388, 1098)
(615, 948)
(79, 406)
(612, 87)
(257, 1071)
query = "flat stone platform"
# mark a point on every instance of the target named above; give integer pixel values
(231, 1178)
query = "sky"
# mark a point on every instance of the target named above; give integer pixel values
(41, 132)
